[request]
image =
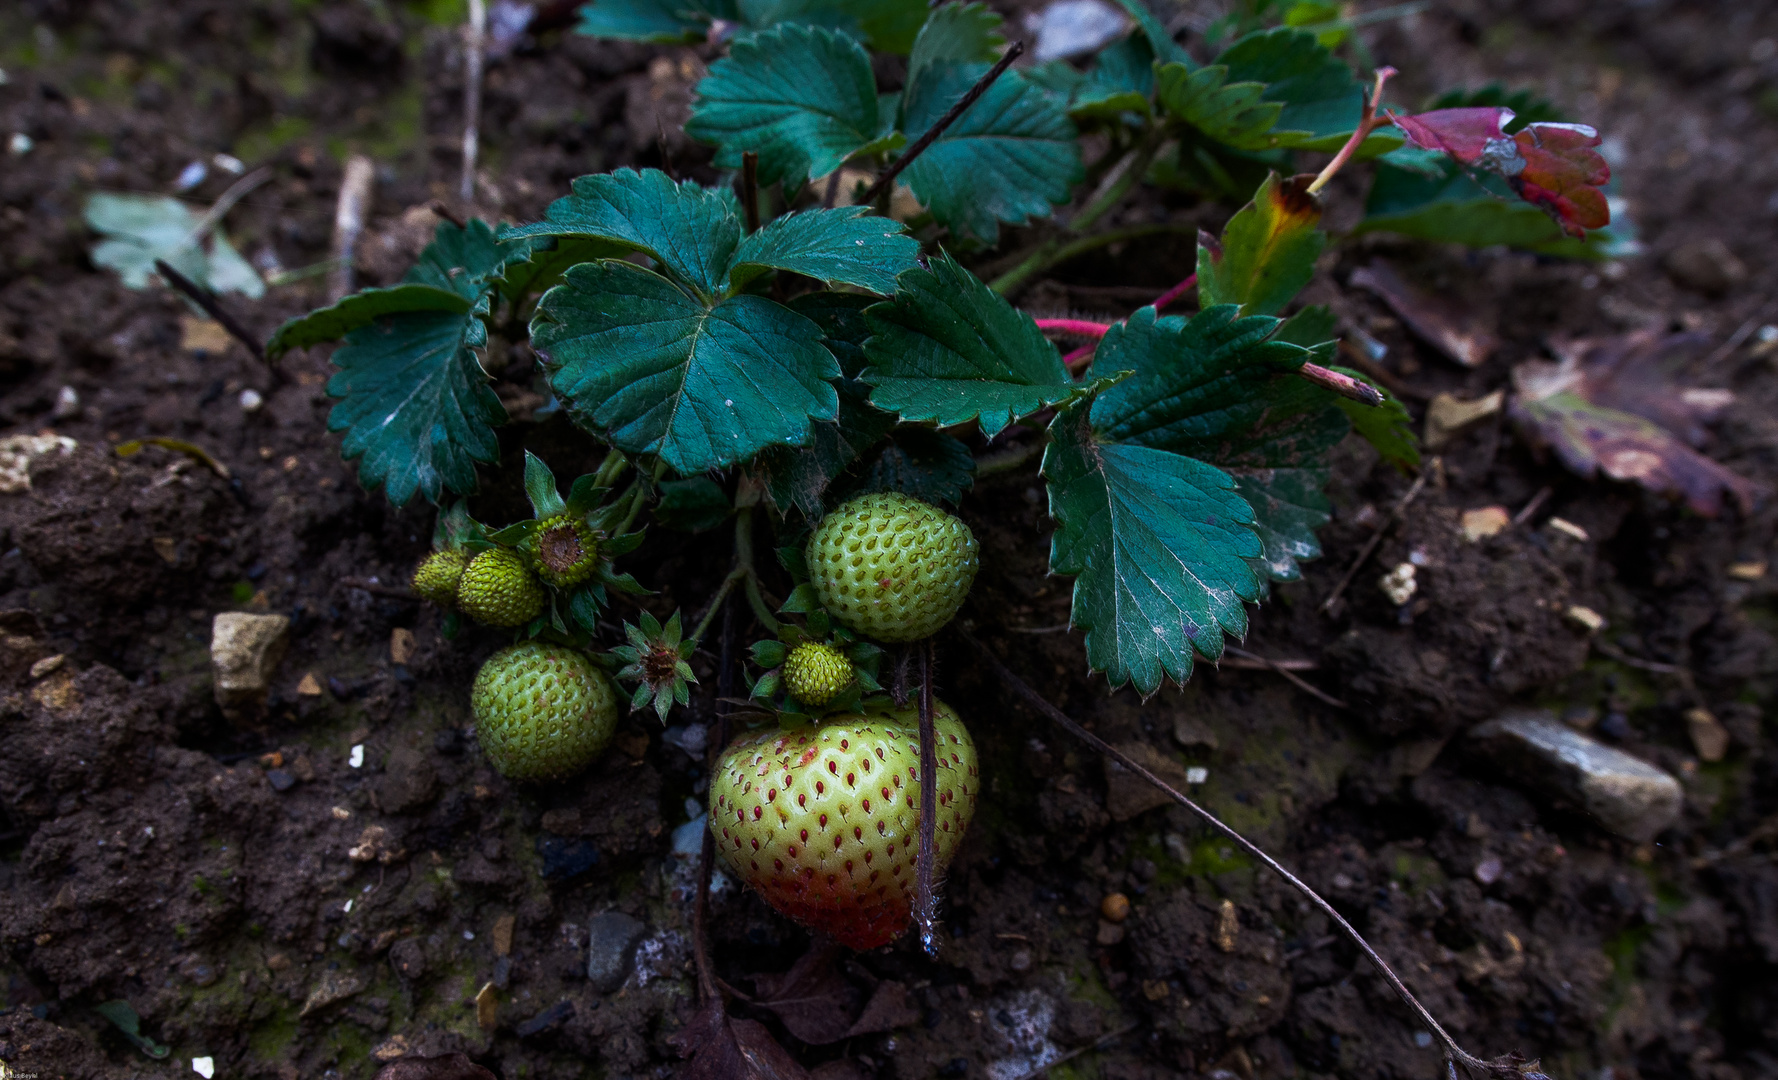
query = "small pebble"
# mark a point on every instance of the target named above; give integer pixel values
(204, 1067)
(250, 400)
(228, 163)
(1568, 528)
(191, 176)
(1115, 907)
(280, 780)
(1399, 584)
(356, 760)
(21, 144)
(1615, 726)
(1488, 871)
(1422, 1039)
(1020, 960)
(1110, 933)
(1196, 774)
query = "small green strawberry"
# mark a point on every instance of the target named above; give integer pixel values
(892, 567)
(564, 551)
(824, 819)
(499, 589)
(542, 712)
(815, 673)
(436, 578)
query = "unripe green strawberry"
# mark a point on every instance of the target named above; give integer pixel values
(435, 579)
(815, 673)
(564, 551)
(824, 820)
(542, 712)
(892, 567)
(499, 589)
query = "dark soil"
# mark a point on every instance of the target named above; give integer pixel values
(146, 853)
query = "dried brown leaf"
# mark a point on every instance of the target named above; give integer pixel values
(1447, 325)
(442, 1067)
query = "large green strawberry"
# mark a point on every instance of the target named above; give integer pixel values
(824, 820)
(542, 712)
(892, 567)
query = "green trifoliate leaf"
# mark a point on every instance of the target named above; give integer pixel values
(1288, 506)
(1156, 32)
(415, 404)
(926, 464)
(1268, 250)
(948, 349)
(803, 98)
(139, 229)
(460, 259)
(847, 246)
(1159, 545)
(1232, 113)
(691, 231)
(659, 22)
(653, 370)
(693, 505)
(1011, 157)
(536, 264)
(1120, 82)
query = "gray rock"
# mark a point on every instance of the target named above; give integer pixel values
(244, 652)
(611, 949)
(1624, 794)
(1706, 266)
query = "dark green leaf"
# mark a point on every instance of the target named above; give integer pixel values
(460, 259)
(1011, 157)
(801, 600)
(1388, 427)
(1309, 327)
(415, 404)
(1268, 250)
(848, 246)
(926, 464)
(1160, 545)
(635, 359)
(660, 22)
(802, 97)
(1288, 506)
(361, 309)
(128, 1022)
(768, 653)
(691, 231)
(1321, 100)
(843, 326)
(535, 265)
(693, 505)
(1233, 113)
(799, 476)
(948, 349)
(1121, 81)
(1156, 32)
(540, 488)
(889, 25)
(1210, 387)
(953, 34)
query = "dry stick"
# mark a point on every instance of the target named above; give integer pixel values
(474, 48)
(1297, 680)
(750, 189)
(1453, 1052)
(1376, 538)
(348, 222)
(932, 133)
(925, 900)
(438, 207)
(1531, 507)
(202, 298)
(832, 195)
(707, 980)
(1344, 385)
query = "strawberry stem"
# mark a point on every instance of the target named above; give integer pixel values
(1508, 1066)
(925, 900)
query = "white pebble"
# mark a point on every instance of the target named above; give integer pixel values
(1197, 774)
(348, 908)
(191, 176)
(250, 400)
(204, 1067)
(21, 144)
(469, 935)
(229, 163)
(356, 760)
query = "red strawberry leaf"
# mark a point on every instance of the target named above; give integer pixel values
(1551, 166)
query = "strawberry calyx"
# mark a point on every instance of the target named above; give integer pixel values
(564, 550)
(657, 659)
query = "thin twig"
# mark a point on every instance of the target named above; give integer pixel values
(1296, 680)
(932, 133)
(474, 49)
(202, 298)
(438, 207)
(1376, 538)
(348, 221)
(832, 194)
(1344, 385)
(1723, 351)
(226, 202)
(750, 189)
(1041, 704)
(925, 868)
(1531, 507)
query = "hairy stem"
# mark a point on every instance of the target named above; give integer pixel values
(925, 892)
(715, 605)
(1117, 183)
(611, 468)
(1366, 125)
(1074, 327)
(886, 181)
(1453, 1052)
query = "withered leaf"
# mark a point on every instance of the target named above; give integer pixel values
(1448, 326)
(816, 1003)
(453, 1066)
(719, 1047)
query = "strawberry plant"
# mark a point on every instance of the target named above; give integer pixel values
(784, 348)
